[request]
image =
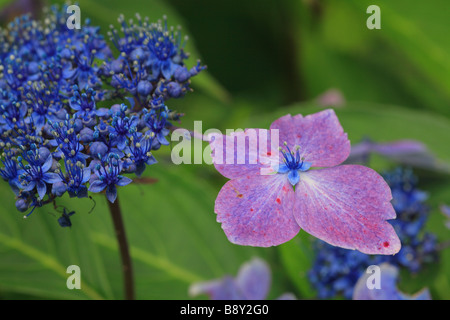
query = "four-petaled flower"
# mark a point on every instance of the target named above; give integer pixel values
(345, 205)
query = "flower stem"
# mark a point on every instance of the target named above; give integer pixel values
(119, 228)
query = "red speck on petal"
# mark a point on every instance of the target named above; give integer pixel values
(269, 153)
(278, 200)
(251, 209)
(240, 195)
(299, 136)
(386, 244)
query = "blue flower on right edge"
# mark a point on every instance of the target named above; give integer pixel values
(335, 271)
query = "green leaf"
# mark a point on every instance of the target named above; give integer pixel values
(297, 258)
(172, 231)
(417, 30)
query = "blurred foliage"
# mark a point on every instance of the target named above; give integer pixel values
(265, 59)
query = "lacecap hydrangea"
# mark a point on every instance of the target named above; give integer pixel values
(76, 117)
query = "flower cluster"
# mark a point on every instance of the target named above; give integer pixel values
(335, 270)
(60, 131)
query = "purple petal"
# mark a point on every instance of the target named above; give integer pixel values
(361, 149)
(320, 137)
(388, 287)
(400, 147)
(347, 206)
(254, 279)
(223, 289)
(242, 153)
(257, 210)
(445, 210)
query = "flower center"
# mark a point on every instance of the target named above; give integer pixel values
(292, 164)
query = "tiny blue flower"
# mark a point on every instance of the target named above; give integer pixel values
(108, 176)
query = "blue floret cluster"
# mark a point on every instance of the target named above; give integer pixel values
(80, 111)
(335, 270)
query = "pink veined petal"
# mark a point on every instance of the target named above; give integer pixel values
(242, 153)
(257, 210)
(347, 206)
(320, 137)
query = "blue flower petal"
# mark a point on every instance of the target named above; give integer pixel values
(293, 177)
(283, 168)
(97, 186)
(305, 166)
(47, 164)
(51, 177)
(123, 181)
(41, 189)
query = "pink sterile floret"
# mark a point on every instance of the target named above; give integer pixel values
(344, 205)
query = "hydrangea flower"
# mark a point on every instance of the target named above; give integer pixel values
(251, 283)
(36, 173)
(335, 270)
(55, 137)
(344, 205)
(388, 290)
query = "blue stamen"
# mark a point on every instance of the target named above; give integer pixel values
(293, 163)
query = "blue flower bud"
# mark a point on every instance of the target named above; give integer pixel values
(117, 66)
(175, 90)
(98, 149)
(22, 205)
(86, 135)
(144, 88)
(181, 74)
